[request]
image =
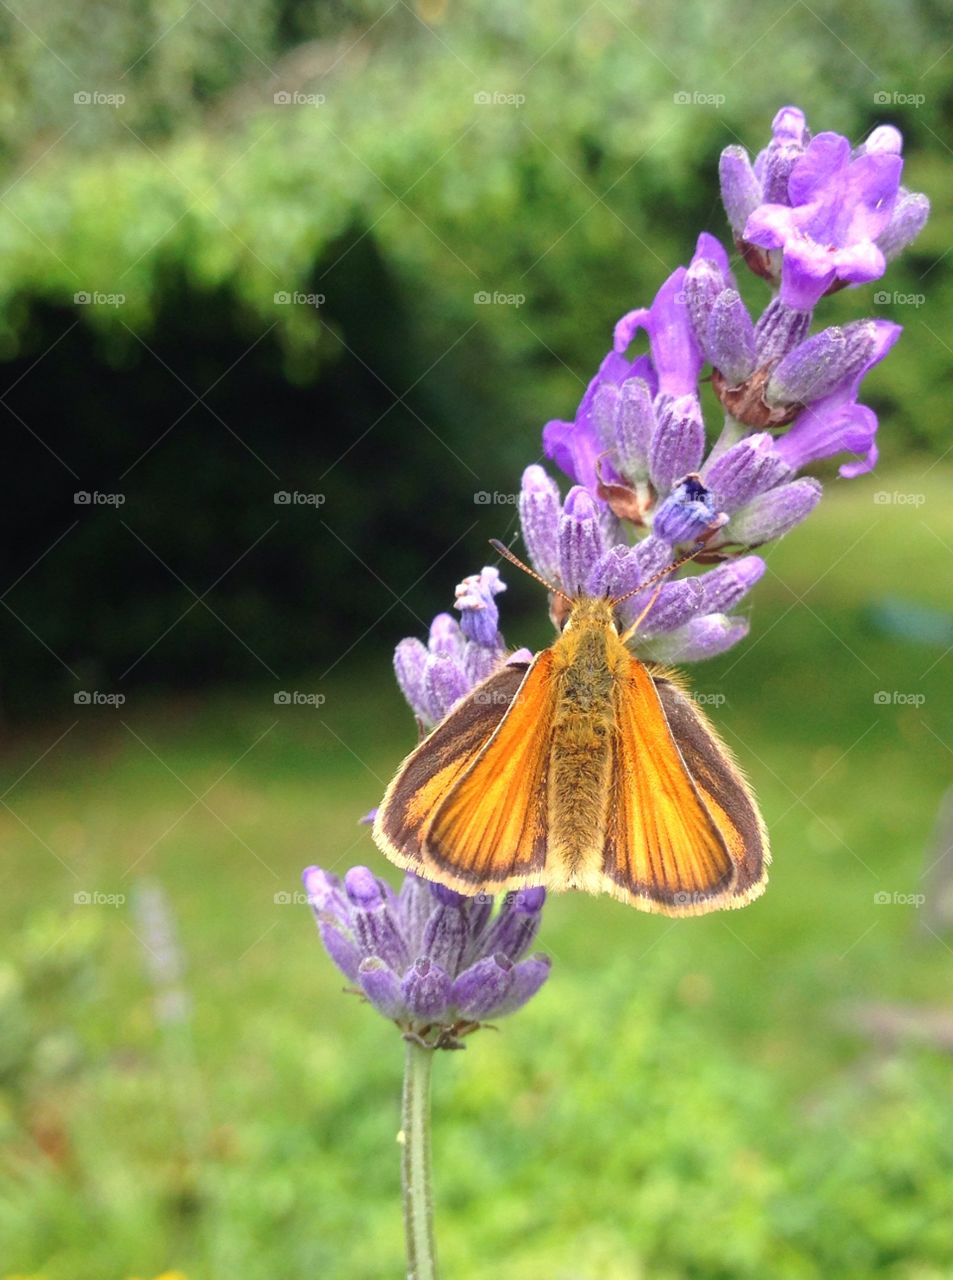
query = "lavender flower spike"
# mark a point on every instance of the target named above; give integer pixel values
(433, 961)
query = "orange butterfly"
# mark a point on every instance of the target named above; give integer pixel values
(584, 769)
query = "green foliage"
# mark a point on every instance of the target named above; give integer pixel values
(685, 1099)
(581, 199)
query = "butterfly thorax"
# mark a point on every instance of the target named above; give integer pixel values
(589, 661)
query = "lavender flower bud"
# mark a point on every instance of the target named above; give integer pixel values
(823, 362)
(580, 540)
(528, 976)
(410, 658)
(381, 985)
(884, 138)
(686, 514)
(624, 568)
(425, 991)
(375, 922)
(786, 148)
(704, 281)
(480, 662)
(446, 636)
(677, 602)
(771, 515)
(740, 187)
(446, 934)
(906, 222)
(731, 340)
(634, 427)
(678, 443)
(701, 638)
(481, 990)
(539, 508)
(415, 906)
(479, 615)
(603, 413)
(749, 467)
(724, 586)
(445, 683)
(517, 924)
(779, 330)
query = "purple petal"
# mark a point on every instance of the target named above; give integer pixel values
(828, 428)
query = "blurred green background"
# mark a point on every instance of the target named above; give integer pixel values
(241, 251)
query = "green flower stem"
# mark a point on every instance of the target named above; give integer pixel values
(415, 1164)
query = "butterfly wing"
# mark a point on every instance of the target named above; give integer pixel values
(429, 772)
(490, 831)
(722, 787)
(664, 850)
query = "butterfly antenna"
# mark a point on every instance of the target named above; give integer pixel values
(655, 577)
(514, 559)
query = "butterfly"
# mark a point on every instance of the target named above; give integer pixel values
(583, 769)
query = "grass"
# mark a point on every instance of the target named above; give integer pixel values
(685, 1099)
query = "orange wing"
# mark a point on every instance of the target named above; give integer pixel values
(664, 850)
(722, 787)
(426, 776)
(490, 831)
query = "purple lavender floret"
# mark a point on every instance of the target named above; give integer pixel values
(433, 961)
(817, 214)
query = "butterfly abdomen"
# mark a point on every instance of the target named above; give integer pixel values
(581, 748)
